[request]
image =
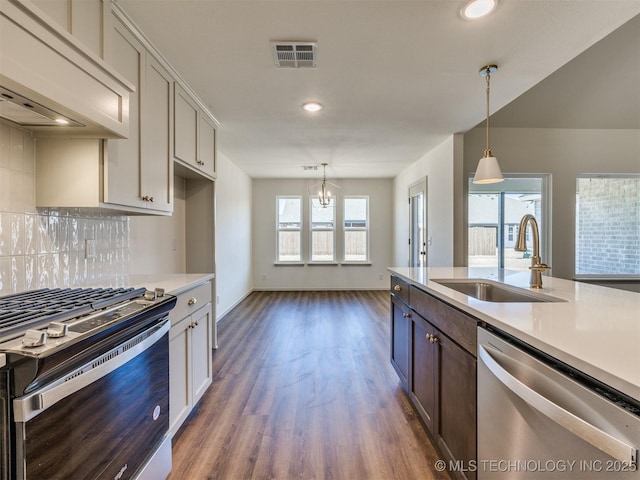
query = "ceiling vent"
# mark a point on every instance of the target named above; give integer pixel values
(294, 54)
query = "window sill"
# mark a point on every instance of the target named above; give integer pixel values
(315, 264)
(356, 264)
(607, 278)
(289, 264)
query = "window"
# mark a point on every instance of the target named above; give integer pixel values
(356, 229)
(323, 231)
(608, 226)
(494, 214)
(289, 229)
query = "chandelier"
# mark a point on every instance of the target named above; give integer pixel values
(322, 190)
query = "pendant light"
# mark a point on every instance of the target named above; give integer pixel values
(488, 170)
(321, 190)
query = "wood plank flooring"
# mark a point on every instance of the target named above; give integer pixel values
(303, 389)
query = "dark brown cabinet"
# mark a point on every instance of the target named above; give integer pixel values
(424, 370)
(456, 424)
(441, 380)
(400, 330)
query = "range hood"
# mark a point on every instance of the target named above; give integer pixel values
(27, 113)
(48, 78)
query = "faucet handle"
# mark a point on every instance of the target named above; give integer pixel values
(539, 267)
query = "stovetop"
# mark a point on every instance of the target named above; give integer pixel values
(25, 310)
(39, 322)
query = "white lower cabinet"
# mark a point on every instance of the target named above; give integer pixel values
(190, 361)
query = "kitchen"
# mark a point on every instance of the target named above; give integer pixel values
(158, 245)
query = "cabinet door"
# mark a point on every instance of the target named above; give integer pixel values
(201, 351)
(81, 18)
(155, 160)
(180, 380)
(400, 330)
(185, 128)
(122, 162)
(207, 145)
(456, 431)
(424, 370)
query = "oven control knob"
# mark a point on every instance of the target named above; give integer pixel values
(57, 329)
(149, 295)
(159, 292)
(34, 338)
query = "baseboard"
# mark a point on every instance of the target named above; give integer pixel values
(219, 316)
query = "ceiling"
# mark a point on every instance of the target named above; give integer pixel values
(396, 77)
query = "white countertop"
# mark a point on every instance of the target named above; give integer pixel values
(173, 283)
(596, 330)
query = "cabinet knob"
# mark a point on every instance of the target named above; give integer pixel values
(192, 301)
(433, 339)
(406, 315)
(147, 198)
(397, 288)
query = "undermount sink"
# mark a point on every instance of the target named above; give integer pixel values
(489, 291)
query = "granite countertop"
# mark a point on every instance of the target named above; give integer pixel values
(595, 329)
(173, 283)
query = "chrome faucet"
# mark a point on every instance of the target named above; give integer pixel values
(537, 267)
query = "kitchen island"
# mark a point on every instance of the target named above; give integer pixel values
(593, 329)
(438, 317)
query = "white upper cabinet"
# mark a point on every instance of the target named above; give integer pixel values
(156, 164)
(207, 145)
(132, 175)
(194, 134)
(81, 18)
(185, 126)
(139, 170)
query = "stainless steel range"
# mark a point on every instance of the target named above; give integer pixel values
(84, 384)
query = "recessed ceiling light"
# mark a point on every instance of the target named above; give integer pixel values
(312, 107)
(478, 8)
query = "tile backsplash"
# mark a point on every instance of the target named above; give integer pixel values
(46, 247)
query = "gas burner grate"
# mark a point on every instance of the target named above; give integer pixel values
(23, 310)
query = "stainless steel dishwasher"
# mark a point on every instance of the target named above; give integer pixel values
(540, 419)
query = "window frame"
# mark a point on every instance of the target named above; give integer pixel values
(596, 276)
(300, 229)
(498, 189)
(346, 229)
(334, 229)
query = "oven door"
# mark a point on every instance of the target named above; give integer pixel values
(103, 420)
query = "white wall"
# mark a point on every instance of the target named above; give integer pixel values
(438, 166)
(233, 235)
(267, 276)
(564, 153)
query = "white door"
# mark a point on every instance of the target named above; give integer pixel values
(418, 224)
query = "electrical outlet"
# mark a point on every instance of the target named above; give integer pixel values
(217, 299)
(379, 276)
(90, 248)
(264, 277)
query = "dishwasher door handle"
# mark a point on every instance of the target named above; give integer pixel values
(586, 431)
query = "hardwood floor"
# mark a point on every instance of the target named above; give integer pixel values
(303, 389)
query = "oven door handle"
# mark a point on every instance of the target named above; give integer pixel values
(27, 407)
(600, 439)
